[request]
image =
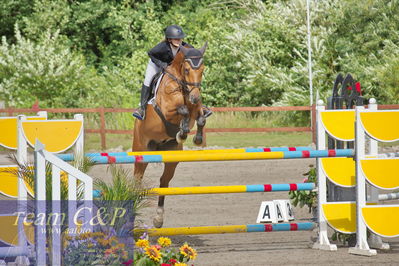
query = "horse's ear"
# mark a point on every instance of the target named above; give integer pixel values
(183, 49)
(203, 48)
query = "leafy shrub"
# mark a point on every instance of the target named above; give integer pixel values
(47, 71)
(305, 198)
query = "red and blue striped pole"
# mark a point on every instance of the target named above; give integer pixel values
(226, 229)
(70, 156)
(201, 157)
(232, 189)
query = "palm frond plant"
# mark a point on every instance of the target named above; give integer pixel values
(26, 171)
(124, 192)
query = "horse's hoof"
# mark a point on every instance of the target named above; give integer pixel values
(158, 219)
(179, 139)
(158, 222)
(197, 140)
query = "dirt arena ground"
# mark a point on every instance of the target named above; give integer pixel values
(276, 248)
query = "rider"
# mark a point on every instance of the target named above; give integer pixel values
(160, 57)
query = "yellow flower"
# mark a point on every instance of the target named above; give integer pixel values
(103, 242)
(164, 241)
(120, 245)
(64, 177)
(153, 253)
(180, 264)
(188, 251)
(142, 243)
(98, 234)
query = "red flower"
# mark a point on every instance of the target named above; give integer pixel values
(128, 263)
(173, 261)
(166, 264)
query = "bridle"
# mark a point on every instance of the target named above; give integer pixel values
(183, 83)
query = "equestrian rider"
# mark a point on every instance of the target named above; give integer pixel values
(160, 57)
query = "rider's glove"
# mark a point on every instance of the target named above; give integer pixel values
(163, 65)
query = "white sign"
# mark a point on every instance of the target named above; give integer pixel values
(286, 210)
(267, 213)
(275, 211)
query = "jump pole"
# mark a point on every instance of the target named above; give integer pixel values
(201, 157)
(227, 229)
(70, 156)
(232, 189)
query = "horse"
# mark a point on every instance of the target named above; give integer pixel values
(171, 116)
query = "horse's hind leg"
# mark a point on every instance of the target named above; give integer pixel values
(167, 175)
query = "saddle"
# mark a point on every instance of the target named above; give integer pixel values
(171, 129)
(154, 84)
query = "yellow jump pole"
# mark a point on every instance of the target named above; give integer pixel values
(168, 158)
(69, 157)
(227, 229)
(231, 189)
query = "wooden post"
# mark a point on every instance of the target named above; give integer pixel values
(102, 128)
(10, 111)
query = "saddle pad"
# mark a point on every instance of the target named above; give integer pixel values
(152, 100)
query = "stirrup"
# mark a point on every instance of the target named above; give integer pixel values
(207, 112)
(139, 114)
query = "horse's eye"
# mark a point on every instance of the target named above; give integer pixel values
(186, 70)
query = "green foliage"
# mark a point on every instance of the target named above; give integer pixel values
(73, 53)
(124, 191)
(305, 198)
(11, 13)
(349, 239)
(47, 71)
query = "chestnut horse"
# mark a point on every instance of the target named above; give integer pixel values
(169, 119)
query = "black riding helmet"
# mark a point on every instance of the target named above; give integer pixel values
(174, 32)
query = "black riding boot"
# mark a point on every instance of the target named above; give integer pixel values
(145, 94)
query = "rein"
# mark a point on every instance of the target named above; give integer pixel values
(184, 84)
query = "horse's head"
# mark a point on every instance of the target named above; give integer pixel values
(191, 69)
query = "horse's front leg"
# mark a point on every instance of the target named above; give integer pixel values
(167, 175)
(184, 124)
(199, 136)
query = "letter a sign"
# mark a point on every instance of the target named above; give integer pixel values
(267, 213)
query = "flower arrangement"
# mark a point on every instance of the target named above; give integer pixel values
(94, 249)
(162, 253)
(104, 249)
